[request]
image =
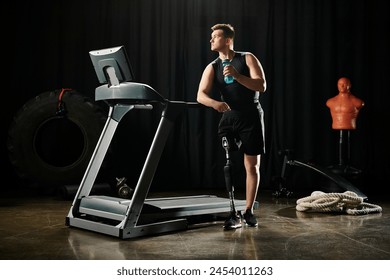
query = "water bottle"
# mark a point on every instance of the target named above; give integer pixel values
(227, 79)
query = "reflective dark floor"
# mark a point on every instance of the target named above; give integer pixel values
(33, 227)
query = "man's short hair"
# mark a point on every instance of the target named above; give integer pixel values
(228, 30)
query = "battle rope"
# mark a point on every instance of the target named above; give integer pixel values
(348, 202)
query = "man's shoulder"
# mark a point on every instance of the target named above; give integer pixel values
(244, 56)
(243, 53)
(215, 60)
(214, 64)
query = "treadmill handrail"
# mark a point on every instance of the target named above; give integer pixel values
(129, 92)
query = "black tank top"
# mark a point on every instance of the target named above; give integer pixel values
(236, 95)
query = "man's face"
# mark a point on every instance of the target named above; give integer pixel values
(218, 41)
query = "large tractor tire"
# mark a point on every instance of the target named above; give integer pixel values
(53, 136)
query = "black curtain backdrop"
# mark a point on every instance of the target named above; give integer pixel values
(305, 47)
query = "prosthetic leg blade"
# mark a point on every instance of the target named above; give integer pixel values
(234, 219)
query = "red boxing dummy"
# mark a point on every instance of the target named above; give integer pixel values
(344, 107)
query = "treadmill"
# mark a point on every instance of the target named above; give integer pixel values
(139, 215)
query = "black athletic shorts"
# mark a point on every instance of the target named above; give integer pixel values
(244, 127)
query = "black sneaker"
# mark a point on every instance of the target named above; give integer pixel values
(250, 219)
(233, 221)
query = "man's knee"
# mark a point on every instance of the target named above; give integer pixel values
(252, 164)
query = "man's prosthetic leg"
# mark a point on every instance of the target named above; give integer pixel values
(234, 219)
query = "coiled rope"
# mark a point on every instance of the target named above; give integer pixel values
(348, 202)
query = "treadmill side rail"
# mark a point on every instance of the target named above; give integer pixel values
(128, 232)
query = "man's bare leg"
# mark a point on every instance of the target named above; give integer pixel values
(252, 167)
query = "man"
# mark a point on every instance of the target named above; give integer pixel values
(242, 119)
